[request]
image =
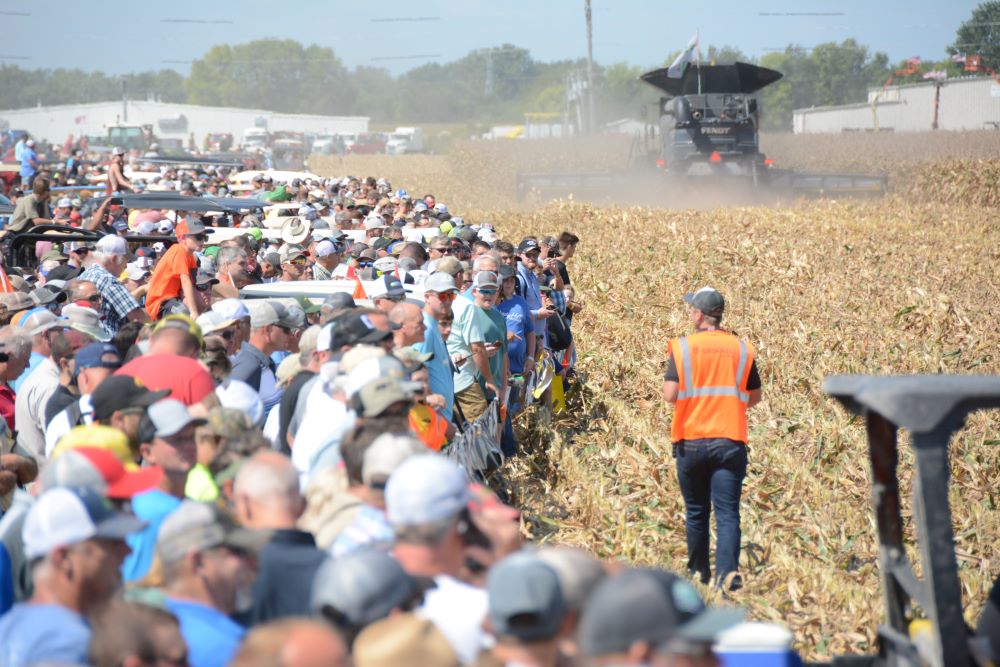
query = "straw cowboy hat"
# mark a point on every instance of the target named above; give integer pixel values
(295, 230)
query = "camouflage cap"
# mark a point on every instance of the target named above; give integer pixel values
(228, 423)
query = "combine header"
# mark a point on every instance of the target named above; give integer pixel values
(708, 138)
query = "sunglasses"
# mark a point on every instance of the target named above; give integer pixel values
(227, 334)
(365, 265)
(487, 292)
(444, 251)
(95, 298)
(297, 262)
(446, 296)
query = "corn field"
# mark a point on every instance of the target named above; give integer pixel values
(903, 285)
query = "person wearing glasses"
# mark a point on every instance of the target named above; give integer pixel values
(171, 287)
(116, 303)
(294, 266)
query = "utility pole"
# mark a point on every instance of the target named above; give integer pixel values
(124, 100)
(592, 119)
(488, 87)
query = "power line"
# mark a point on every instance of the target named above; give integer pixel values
(800, 14)
(15, 57)
(207, 21)
(5, 13)
(408, 19)
(414, 57)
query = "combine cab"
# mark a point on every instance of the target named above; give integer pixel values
(708, 139)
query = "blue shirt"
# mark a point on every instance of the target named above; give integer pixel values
(29, 162)
(211, 636)
(153, 507)
(6, 581)
(438, 368)
(518, 315)
(43, 633)
(33, 362)
(529, 289)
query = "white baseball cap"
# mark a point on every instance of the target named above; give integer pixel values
(231, 309)
(325, 249)
(69, 515)
(112, 245)
(424, 489)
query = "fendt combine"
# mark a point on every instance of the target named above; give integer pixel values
(708, 139)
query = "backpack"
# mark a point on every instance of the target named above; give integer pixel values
(560, 335)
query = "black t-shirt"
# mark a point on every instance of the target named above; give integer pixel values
(59, 401)
(286, 408)
(753, 382)
(563, 273)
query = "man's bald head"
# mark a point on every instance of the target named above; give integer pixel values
(409, 317)
(296, 642)
(267, 491)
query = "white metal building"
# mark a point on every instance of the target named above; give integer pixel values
(965, 103)
(177, 121)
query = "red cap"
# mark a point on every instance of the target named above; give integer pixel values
(121, 483)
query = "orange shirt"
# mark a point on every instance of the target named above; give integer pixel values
(165, 283)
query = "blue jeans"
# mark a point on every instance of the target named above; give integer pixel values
(711, 473)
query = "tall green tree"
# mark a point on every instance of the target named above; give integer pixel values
(980, 34)
(281, 75)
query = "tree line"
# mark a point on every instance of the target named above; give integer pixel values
(486, 86)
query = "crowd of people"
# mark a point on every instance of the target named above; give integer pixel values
(192, 476)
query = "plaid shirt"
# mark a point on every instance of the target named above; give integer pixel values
(117, 303)
(369, 528)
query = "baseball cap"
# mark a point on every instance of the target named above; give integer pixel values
(240, 396)
(182, 322)
(135, 272)
(196, 526)
(440, 282)
(361, 587)
(40, 320)
(387, 287)
(228, 422)
(232, 309)
(98, 355)
(379, 395)
(64, 202)
(337, 301)
(449, 265)
(86, 321)
(272, 258)
(307, 306)
(403, 639)
(120, 392)
(525, 598)
(291, 315)
(190, 227)
(98, 436)
(112, 245)
(211, 321)
(15, 301)
(579, 572)
(486, 279)
(118, 150)
(100, 470)
(647, 605)
(325, 248)
(527, 245)
(385, 454)
(69, 515)
(507, 271)
(424, 489)
(351, 329)
(170, 417)
(707, 300)
(262, 313)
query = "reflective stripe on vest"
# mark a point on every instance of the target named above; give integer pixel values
(690, 391)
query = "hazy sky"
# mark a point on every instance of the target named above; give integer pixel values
(118, 36)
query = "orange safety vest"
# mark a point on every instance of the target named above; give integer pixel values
(713, 368)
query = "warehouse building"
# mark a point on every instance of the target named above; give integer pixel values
(169, 121)
(963, 103)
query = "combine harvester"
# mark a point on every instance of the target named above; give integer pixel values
(708, 141)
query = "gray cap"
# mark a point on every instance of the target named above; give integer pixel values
(485, 279)
(647, 605)
(338, 300)
(579, 572)
(195, 526)
(361, 587)
(525, 598)
(440, 282)
(707, 300)
(170, 416)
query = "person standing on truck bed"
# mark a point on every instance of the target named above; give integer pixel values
(117, 182)
(711, 379)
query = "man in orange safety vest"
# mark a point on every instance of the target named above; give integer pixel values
(711, 379)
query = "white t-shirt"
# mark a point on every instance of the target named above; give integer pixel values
(457, 610)
(324, 422)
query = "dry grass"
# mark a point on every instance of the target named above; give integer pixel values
(821, 288)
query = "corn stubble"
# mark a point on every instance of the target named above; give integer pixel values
(875, 287)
